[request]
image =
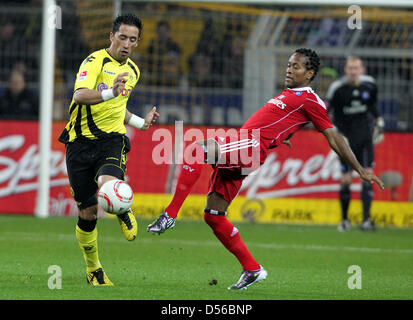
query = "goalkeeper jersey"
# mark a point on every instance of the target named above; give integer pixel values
(97, 72)
(354, 107)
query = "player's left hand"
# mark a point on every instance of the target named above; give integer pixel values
(150, 118)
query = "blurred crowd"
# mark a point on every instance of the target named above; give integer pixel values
(210, 55)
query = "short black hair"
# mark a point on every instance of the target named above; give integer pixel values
(313, 61)
(129, 19)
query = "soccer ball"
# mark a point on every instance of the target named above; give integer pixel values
(115, 196)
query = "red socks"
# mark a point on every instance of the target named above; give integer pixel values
(187, 178)
(231, 239)
(222, 228)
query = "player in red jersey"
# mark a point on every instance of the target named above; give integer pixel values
(233, 158)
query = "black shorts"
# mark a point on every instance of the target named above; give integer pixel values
(87, 160)
(364, 152)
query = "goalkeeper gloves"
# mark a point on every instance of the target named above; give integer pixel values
(378, 134)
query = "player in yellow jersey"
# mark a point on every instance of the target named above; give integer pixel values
(96, 144)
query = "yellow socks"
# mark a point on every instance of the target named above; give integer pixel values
(89, 246)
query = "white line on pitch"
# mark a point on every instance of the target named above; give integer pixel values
(32, 236)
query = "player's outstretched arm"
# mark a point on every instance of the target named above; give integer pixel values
(341, 147)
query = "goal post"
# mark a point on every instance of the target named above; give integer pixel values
(46, 106)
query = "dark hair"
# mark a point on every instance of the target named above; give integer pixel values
(129, 19)
(313, 61)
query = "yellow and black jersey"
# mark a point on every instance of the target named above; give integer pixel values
(97, 72)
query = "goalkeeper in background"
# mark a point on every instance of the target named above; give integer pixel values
(95, 139)
(352, 103)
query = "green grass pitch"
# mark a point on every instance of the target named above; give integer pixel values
(303, 262)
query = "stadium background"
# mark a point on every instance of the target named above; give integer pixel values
(230, 61)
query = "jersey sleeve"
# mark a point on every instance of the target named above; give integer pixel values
(317, 114)
(88, 73)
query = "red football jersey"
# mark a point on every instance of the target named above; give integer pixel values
(286, 114)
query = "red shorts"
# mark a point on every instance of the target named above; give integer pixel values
(238, 157)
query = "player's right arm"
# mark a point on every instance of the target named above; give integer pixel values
(342, 148)
(90, 97)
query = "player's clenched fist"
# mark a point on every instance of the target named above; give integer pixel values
(119, 83)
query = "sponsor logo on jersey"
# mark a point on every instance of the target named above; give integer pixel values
(83, 75)
(298, 93)
(278, 103)
(186, 167)
(109, 72)
(356, 107)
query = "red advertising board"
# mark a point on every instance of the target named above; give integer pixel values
(19, 168)
(310, 169)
